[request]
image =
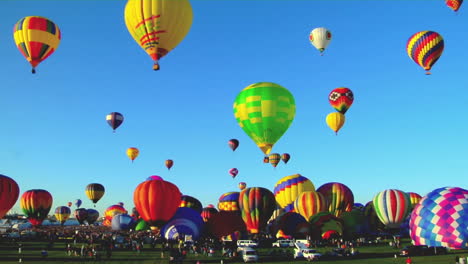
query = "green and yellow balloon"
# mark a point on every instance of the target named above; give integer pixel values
(265, 111)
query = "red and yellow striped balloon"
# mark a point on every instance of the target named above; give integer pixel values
(37, 38)
(256, 205)
(454, 4)
(414, 198)
(339, 197)
(425, 48)
(36, 205)
(310, 203)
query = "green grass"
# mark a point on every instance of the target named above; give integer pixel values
(381, 254)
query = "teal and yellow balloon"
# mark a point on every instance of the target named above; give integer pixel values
(265, 111)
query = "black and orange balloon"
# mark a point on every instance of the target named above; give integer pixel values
(157, 202)
(285, 157)
(169, 163)
(9, 192)
(95, 191)
(36, 205)
(233, 144)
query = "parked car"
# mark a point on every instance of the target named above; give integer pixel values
(247, 243)
(249, 255)
(283, 243)
(302, 251)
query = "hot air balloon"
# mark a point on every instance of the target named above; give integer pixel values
(135, 214)
(242, 185)
(290, 225)
(225, 223)
(320, 38)
(414, 199)
(425, 48)
(69, 204)
(78, 203)
(454, 4)
(120, 204)
(62, 213)
(310, 203)
(335, 121)
(81, 215)
(229, 201)
(256, 205)
(37, 38)
(114, 120)
(441, 219)
(141, 225)
(285, 157)
(169, 163)
(36, 205)
(274, 159)
(264, 111)
(154, 178)
(266, 159)
(208, 212)
(9, 192)
(392, 207)
(158, 26)
(338, 196)
(341, 99)
(185, 221)
(92, 216)
(147, 198)
(233, 144)
(110, 212)
(122, 222)
(233, 172)
(191, 202)
(288, 188)
(94, 191)
(132, 153)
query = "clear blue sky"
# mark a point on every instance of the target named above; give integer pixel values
(405, 130)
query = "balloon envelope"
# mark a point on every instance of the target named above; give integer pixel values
(185, 221)
(288, 188)
(233, 144)
(114, 120)
(81, 215)
(191, 202)
(94, 191)
(256, 205)
(62, 213)
(36, 205)
(229, 201)
(392, 207)
(338, 196)
(92, 216)
(9, 193)
(320, 38)
(341, 99)
(425, 48)
(122, 222)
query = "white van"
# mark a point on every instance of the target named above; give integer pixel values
(301, 251)
(247, 243)
(249, 255)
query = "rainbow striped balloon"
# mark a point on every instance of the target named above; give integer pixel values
(339, 197)
(391, 206)
(425, 48)
(441, 219)
(288, 188)
(414, 199)
(256, 205)
(310, 203)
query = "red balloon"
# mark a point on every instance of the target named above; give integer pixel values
(36, 205)
(169, 163)
(157, 202)
(225, 223)
(9, 192)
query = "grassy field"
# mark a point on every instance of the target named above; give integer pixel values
(381, 254)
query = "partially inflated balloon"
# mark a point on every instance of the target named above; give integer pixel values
(158, 26)
(122, 222)
(112, 211)
(81, 215)
(274, 159)
(62, 213)
(233, 172)
(425, 48)
(132, 153)
(92, 216)
(242, 185)
(233, 144)
(36, 205)
(185, 221)
(320, 38)
(225, 223)
(9, 192)
(285, 157)
(335, 121)
(288, 188)
(114, 120)
(37, 38)
(169, 163)
(264, 111)
(339, 197)
(256, 205)
(94, 191)
(454, 4)
(191, 202)
(208, 212)
(310, 203)
(392, 207)
(341, 99)
(441, 219)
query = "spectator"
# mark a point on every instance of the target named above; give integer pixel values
(44, 253)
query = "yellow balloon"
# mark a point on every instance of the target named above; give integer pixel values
(158, 26)
(335, 121)
(132, 153)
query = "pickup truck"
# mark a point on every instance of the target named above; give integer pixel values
(301, 251)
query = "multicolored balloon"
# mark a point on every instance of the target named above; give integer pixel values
(208, 212)
(132, 153)
(158, 26)
(229, 201)
(310, 203)
(233, 172)
(92, 216)
(288, 188)
(62, 213)
(425, 48)
(37, 38)
(256, 205)
(341, 99)
(9, 193)
(266, 159)
(95, 191)
(338, 196)
(147, 198)
(185, 221)
(36, 205)
(112, 211)
(274, 159)
(414, 199)
(233, 144)
(191, 202)
(169, 163)
(454, 4)
(392, 207)
(441, 219)
(265, 111)
(114, 119)
(285, 157)
(335, 121)
(320, 38)
(242, 185)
